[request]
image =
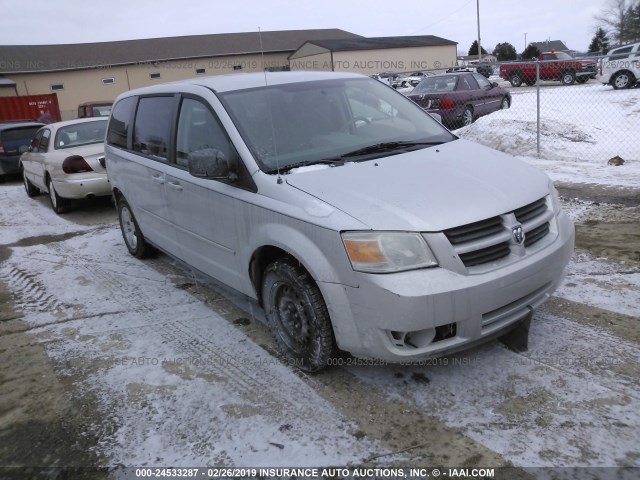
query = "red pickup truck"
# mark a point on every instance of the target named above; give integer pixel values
(553, 66)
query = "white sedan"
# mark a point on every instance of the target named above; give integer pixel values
(66, 159)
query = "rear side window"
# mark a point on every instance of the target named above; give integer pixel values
(621, 52)
(119, 123)
(36, 141)
(44, 143)
(152, 126)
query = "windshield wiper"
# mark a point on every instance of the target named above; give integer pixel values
(387, 146)
(306, 163)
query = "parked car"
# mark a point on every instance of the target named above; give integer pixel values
(621, 67)
(484, 70)
(356, 220)
(66, 160)
(15, 138)
(460, 98)
(94, 109)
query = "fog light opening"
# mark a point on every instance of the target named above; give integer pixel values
(443, 332)
(420, 338)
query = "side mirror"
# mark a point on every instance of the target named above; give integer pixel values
(24, 149)
(494, 84)
(437, 117)
(210, 163)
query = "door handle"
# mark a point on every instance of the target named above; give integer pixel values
(175, 186)
(159, 179)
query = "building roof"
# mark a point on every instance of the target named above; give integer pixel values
(78, 56)
(549, 45)
(345, 44)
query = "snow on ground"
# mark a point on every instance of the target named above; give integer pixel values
(565, 402)
(582, 127)
(181, 385)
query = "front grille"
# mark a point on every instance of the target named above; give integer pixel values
(474, 231)
(485, 255)
(531, 211)
(536, 234)
(490, 240)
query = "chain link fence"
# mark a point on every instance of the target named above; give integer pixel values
(559, 111)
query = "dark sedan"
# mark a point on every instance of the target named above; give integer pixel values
(460, 98)
(15, 138)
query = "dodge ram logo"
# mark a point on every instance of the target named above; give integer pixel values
(518, 234)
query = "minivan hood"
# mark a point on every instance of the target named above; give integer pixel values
(431, 189)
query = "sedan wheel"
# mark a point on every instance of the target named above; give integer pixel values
(58, 204)
(467, 116)
(504, 104)
(31, 190)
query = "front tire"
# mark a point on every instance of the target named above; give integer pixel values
(133, 238)
(31, 190)
(297, 315)
(504, 104)
(568, 78)
(623, 80)
(58, 204)
(515, 79)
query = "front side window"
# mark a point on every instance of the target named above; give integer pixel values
(200, 135)
(152, 126)
(329, 121)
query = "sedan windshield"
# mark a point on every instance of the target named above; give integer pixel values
(329, 121)
(83, 133)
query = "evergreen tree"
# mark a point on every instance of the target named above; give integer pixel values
(600, 42)
(474, 49)
(504, 52)
(530, 52)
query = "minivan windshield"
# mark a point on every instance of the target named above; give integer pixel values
(329, 121)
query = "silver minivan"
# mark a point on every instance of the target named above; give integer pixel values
(358, 221)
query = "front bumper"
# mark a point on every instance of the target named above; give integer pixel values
(82, 185)
(414, 315)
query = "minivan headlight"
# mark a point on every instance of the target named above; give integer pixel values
(386, 252)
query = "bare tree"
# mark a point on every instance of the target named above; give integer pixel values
(615, 15)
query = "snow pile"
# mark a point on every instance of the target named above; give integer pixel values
(582, 127)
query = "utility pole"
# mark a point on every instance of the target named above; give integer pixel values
(479, 47)
(525, 41)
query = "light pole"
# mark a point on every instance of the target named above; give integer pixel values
(525, 40)
(479, 47)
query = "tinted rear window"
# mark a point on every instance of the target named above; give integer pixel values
(152, 126)
(119, 123)
(24, 134)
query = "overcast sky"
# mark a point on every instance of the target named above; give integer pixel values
(24, 22)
